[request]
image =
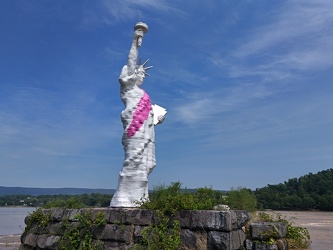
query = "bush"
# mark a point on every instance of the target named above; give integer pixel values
(163, 235)
(241, 199)
(297, 237)
(172, 198)
(72, 202)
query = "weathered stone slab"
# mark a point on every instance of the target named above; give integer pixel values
(280, 244)
(30, 240)
(141, 217)
(52, 242)
(117, 215)
(57, 214)
(55, 228)
(115, 246)
(71, 214)
(242, 217)
(266, 230)
(184, 217)
(218, 241)
(211, 220)
(113, 232)
(193, 239)
(41, 240)
(249, 244)
(264, 246)
(137, 234)
(237, 238)
(26, 219)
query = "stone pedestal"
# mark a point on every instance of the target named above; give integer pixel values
(120, 228)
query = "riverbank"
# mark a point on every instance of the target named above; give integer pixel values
(319, 225)
(10, 242)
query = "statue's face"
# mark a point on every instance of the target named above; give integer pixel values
(140, 77)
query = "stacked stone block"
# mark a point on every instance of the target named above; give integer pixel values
(267, 236)
(200, 229)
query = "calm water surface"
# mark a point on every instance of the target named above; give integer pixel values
(12, 219)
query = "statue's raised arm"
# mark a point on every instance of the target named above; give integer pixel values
(132, 64)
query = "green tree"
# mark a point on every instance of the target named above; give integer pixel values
(241, 199)
(311, 191)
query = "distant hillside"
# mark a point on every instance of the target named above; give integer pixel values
(52, 191)
(311, 191)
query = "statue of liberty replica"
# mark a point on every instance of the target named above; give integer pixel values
(138, 120)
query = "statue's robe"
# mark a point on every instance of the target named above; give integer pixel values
(138, 141)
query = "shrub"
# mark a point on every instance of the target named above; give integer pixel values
(72, 202)
(297, 237)
(241, 199)
(163, 235)
(38, 220)
(172, 198)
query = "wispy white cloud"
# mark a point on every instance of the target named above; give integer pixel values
(205, 107)
(295, 24)
(115, 11)
(52, 123)
(297, 37)
(274, 58)
(265, 72)
(316, 58)
(267, 122)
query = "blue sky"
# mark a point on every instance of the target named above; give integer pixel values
(247, 85)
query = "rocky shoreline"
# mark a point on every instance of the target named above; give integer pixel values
(10, 242)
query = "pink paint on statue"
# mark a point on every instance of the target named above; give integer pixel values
(140, 115)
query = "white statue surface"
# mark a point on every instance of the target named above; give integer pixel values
(138, 121)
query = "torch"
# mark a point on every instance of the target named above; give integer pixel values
(144, 28)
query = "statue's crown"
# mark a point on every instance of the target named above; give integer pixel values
(142, 67)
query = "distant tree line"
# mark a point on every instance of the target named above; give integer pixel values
(183, 198)
(309, 192)
(53, 191)
(66, 201)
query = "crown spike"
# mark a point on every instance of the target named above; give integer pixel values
(145, 63)
(149, 67)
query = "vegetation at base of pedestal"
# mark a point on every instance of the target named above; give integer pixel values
(37, 221)
(309, 192)
(79, 237)
(297, 237)
(173, 198)
(163, 235)
(74, 237)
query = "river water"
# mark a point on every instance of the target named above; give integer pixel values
(12, 219)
